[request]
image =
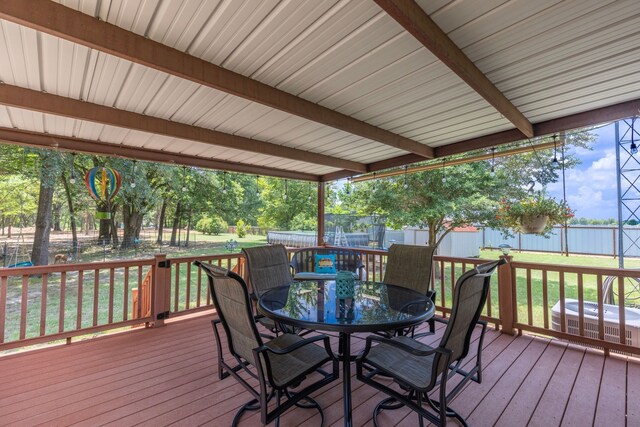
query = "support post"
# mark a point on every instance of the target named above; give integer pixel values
(505, 295)
(161, 290)
(320, 239)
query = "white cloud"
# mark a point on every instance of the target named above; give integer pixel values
(591, 192)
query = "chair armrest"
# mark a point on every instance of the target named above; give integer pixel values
(298, 345)
(400, 346)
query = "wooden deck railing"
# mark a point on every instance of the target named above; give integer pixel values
(537, 288)
(189, 289)
(42, 304)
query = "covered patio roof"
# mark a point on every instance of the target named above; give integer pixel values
(310, 90)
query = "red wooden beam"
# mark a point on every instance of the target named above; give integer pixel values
(34, 139)
(415, 20)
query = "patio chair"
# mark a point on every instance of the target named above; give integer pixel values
(268, 267)
(410, 266)
(278, 365)
(418, 368)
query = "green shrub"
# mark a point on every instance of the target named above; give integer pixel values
(212, 225)
(241, 229)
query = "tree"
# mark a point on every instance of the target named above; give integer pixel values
(50, 167)
(288, 204)
(448, 197)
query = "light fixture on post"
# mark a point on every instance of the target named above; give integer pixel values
(633, 148)
(72, 180)
(444, 178)
(405, 186)
(493, 161)
(555, 150)
(505, 248)
(133, 175)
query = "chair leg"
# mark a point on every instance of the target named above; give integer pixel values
(278, 396)
(419, 400)
(252, 405)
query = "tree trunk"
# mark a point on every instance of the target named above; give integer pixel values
(40, 252)
(57, 208)
(114, 226)
(176, 223)
(72, 215)
(132, 220)
(163, 210)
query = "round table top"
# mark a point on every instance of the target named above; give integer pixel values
(374, 306)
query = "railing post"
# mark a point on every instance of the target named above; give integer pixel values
(505, 296)
(161, 289)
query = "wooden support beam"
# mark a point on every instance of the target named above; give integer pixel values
(321, 200)
(60, 21)
(35, 139)
(52, 104)
(593, 117)
(416, 21)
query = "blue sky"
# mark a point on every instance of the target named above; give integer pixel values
(592, 187)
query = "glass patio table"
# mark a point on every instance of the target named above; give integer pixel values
(373, 307)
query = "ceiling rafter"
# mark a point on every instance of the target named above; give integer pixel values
(593, 117)
(57, 105)
(418, 23)
(66, 23)
(48, 141)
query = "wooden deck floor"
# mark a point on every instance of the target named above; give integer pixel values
(168, 376)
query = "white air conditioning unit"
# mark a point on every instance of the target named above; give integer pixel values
(611, 321)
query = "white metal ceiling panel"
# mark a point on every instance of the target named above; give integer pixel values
(19, 50)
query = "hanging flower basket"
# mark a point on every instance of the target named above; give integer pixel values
(534, 214)
(533, 224)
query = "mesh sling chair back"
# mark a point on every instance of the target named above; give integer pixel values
(268, 267)
(278, 365)
(410, 266)
(418, 368)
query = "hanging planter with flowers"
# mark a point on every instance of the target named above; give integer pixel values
(536, 213)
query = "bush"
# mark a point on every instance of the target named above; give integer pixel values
(242, 228)
(212, 225)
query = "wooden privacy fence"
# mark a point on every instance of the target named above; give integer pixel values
(42, 304)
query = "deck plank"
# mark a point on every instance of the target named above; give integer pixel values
(611, 406)
(525, 400)
(633, 394)
(506, 387)
(552, 404)
(584, 396)
(163, 376)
